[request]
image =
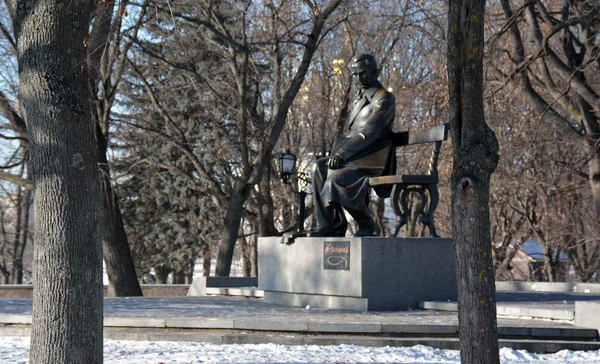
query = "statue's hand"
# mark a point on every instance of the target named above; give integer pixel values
(335, 162)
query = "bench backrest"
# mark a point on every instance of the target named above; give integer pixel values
(435, 135)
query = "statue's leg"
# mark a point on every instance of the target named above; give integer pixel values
(340, 224)
(326, 215)
(366, 223)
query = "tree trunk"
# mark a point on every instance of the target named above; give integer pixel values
(23, 201)
(122, 278)
(178, 277)
(253, 255)
(121, 273)
(475, 157)
(17, 265)
(266, 221)
(549, 264)
(67, 297)
(231, 226)
(161, 274)
(246, 265)
(23, 236)
(206, 260)
(189, 274)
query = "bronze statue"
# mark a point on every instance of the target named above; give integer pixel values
(341, 181)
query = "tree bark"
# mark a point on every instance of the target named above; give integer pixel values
(206, 258)
(475, 150)
(264, 200)
(23, 202)
(23, 237)
(253, 245)
(67, 298)
(231, 226)
(121, 273)
(122, 278)
(246, 251)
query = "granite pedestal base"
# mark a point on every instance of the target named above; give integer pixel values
(367, 274)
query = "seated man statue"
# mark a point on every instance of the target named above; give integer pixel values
(342, 180)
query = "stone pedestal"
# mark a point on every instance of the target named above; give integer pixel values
(367, 274)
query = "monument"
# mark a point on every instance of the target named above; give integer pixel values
(322, 267)
(341, 182)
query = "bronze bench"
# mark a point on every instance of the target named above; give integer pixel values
(403, 185)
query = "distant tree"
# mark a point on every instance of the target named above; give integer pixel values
(108, 49)
(106, 63)
(247, 64)
(15, 167)
(168, 222)
(543, 56)
(475, 149)
(67, 304)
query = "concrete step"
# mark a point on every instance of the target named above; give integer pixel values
(539, 345)
(220, 319)
(565, 312)
(531, 345)
(286, 326)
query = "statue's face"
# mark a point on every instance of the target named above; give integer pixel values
(366, 77)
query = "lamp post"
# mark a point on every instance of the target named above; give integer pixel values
(287, 165)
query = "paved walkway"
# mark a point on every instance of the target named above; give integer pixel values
(250, 320)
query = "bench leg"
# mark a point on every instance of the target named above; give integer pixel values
(427, 216)
(399, 205)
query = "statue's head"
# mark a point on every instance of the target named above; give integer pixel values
(364, 67)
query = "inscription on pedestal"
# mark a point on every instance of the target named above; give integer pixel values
(336, 255)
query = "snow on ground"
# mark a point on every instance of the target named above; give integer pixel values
(16, 350)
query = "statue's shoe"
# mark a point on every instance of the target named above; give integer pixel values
(368, 230)
(363, 233)
(319, 232)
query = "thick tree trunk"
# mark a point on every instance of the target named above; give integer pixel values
(475, 157)
(231, 227)
(67, 299)
(122, 278)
